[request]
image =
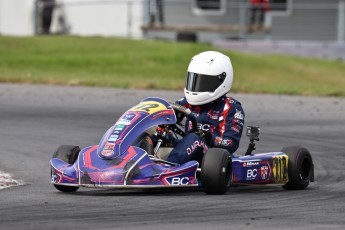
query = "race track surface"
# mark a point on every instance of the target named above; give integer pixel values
(35, 120)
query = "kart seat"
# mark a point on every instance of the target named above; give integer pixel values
(163, 153)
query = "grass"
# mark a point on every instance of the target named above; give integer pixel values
(110, 62)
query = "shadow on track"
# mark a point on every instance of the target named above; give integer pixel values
(234, 191)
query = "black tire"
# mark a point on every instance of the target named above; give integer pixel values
(69, 154)
(216, 171)
(300, 168)
(146, 144)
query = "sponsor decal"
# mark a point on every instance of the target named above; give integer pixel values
(238, 122)
(127, 119)
(107, 153)
(119, 127)
(179, 180)
(235, 128)
(54, 178)
(197, 144)
(108, 149)
(213, 114)
(113, 138)
(206, 127)
(218, 141)
(159, 114)
(264, 172)
(239, 114)
(251, 174)
(124, 122)
(129, 116)
(109, 146)
(117, 132)
(226, 142)
(250, 163)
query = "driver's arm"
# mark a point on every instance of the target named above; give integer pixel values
(230, 129)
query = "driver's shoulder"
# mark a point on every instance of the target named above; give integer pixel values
(235, 105)
(232, 101)
(183, 101)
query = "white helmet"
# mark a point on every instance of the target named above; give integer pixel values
(209, 76)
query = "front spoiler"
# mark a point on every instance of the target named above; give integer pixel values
(133, 169)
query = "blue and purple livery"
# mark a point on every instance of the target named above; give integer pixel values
(117, 162)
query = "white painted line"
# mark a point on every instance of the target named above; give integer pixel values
(7, 181)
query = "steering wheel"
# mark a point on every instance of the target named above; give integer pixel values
(182, 112)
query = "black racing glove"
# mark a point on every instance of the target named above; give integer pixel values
(179, 116)
(207, 136)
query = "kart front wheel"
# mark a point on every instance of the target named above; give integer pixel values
(147, 145)
(300, 168)
(69, 154)
(216, 171)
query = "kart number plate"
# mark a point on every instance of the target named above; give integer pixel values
(280, 169)
(148, 107)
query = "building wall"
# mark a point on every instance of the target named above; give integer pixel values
(118, 18)
(80, 17)
(104, 18)
(308, 20)
(181, 12)
(16, 17)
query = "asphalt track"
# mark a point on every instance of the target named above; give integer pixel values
(35, 120)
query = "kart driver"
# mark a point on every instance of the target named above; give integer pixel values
(220, 118)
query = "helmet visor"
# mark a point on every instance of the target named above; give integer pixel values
(203, 83)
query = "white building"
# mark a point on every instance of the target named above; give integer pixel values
(16, 17)
(121, 18)
(208, 20)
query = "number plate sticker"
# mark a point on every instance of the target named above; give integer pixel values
(280, 169)
(149, 107)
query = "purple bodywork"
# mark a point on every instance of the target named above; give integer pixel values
(116, 162)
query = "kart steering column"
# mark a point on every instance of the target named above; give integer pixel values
(187, 113)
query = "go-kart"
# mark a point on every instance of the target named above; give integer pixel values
(126, 158)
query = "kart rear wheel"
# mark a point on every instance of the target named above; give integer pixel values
(216, 171)
(300, 168)
(69, 154)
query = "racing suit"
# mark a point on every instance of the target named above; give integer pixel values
(220, 123)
